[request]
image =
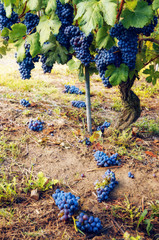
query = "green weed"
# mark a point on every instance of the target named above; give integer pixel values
(117, 104)
(41, 183)
(7, 189)
(126, 212)
(149, 126)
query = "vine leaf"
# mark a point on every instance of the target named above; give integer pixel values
(139, 17)
(109, 9)
(20, 50)
(47, 26)
(102, 39)
(18, 31)
(33, 40)
(153, 75)
(34, 5)
(117, 75)
(50, 6)
(58, 54)
(74, 64)
(90, 15)
(155, 4)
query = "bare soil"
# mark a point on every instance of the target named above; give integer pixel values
(62, 157)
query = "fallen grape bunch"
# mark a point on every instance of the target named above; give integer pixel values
(36, 125)
(88, 224)
(103, 126)
(78, 104)
(104, 161)
(104, 188)
(72, 90)
(25, 103)
(67, 204)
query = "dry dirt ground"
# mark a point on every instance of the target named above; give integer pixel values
(60, 155)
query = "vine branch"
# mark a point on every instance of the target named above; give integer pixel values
(22, 14)
(120, 10)
(149, 39)
(151, 60)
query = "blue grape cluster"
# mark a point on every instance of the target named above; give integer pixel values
(36, 125)
(104, 161)
(128, 40)
(128, 43)
(67, 204)
(103, 126)
(27, 64)
(104, 188)
(46, 68)
(7, 22)
(25, 103)
(130, 175)
(72, 90)
(31, 21)
(80, 43)
(78, 104)
(105, 58)
(88, 224)
(65, 14)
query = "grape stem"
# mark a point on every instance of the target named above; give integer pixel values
(120, 10)
(149, 39)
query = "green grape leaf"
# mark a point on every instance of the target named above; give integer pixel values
(155, 4)
(74, 64)
(140, 59)
(90, 15)
(153, 75)
(34, 4)
(18, 31)
(58, 54)
(8, 8)
(103, 40)
(20, 50)
(117, 75)
(33, 40)
(81, 75)
(47, 26)
(139, 17)
(156, 47)
(5, 32)
(109, 9)
(50, 6)
(131, 4)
